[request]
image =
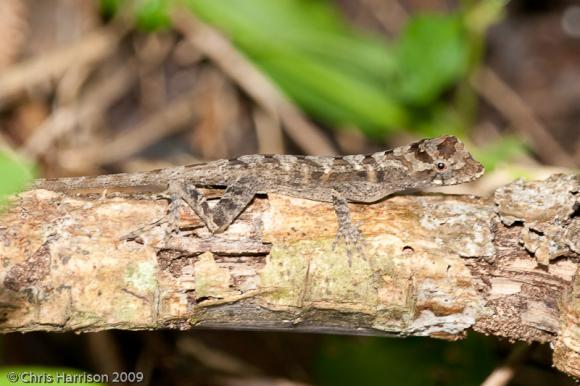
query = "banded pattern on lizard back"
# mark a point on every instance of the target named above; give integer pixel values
(337, 179)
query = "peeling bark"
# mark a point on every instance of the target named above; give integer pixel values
(437, 265)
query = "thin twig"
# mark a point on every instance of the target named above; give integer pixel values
(92, 105)
(211, 43)
(269, 132)
(214, 358)
(154, 49)
(159, 125)
(89, 108)
(390, 14)
(503, 374)
(218, 122)
(106, 353)
(577, 154)
(44, 68)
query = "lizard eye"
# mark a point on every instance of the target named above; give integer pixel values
(441, 165)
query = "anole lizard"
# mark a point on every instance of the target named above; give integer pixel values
(336, 179)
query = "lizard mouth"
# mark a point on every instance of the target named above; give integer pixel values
(475, 170)
(438, 179)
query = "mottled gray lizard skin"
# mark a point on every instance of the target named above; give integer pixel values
(337, 179)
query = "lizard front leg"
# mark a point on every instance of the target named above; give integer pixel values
(347, 230)
(217, 219)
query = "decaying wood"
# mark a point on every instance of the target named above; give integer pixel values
(437, 265)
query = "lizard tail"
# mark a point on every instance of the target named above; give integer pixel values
(121, 180)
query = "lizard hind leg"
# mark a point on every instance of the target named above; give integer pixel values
(218, 218)
(347, 230)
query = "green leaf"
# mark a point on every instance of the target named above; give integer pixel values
(438, 119)
(338, 98)
(150, 15)
(110, 7)
(431, 55)
(335, 73)
(484, 14)
(14, 175)
(153, 14)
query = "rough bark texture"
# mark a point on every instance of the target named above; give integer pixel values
(436, 265)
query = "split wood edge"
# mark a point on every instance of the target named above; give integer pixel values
(433, 265)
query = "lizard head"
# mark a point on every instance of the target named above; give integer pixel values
(441, 161)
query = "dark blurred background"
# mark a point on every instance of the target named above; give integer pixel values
(93, 87)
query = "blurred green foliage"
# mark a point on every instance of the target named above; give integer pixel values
(431, 55)
(505, 148)
(333, 72)
(15, 173)
(150, 15)
(412, 361)
(341, 75)
(349, 78)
